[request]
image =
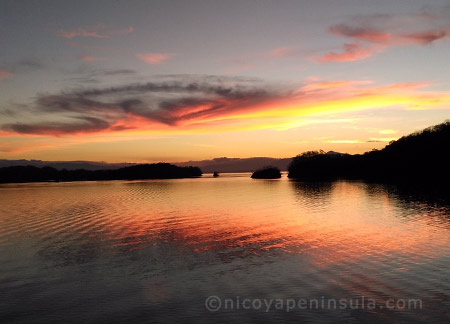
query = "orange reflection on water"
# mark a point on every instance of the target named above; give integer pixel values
(332, 223)
(235, 218)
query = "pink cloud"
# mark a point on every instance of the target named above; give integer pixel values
(427, 37)
(79, 33)
(395, 37)
(96, 31)
(363, 33)
(4, 74)
(350, 52)
(154, 58)
(379, 32)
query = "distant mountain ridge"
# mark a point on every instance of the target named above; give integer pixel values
(69, 165)
(222, 164)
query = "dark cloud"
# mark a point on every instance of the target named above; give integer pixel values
(28, 64)
(166, 102)
(209, 78)
(87, 124)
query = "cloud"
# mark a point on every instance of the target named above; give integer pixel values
(96, 31)
(86, 124)
(427, 37)
(362, 33)
(350, 52)
(167, 103)
(154, 58)
(370, 34)
(186, 104)
(398, 36)
(317, 84)
(4, 74)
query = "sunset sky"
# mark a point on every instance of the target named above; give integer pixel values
(149, 81)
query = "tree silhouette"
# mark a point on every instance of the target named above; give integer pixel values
(418, 157)
(269, 172)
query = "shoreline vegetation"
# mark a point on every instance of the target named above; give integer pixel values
(269, 172)
(19, 174)
(418, 158)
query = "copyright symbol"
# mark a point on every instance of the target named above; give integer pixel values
(213, 303)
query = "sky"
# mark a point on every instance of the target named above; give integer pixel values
(149, 81)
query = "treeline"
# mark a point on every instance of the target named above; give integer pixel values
(419, 157)
(141, 171)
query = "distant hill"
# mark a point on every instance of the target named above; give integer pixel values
(419, 157)
(13, 174)
(225, 164)
(69, 165)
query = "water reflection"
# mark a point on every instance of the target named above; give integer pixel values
(141, 248)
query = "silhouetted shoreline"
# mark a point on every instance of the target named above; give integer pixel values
(18, 174)
(420, 159)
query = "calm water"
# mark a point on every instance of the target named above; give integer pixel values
(153, 251)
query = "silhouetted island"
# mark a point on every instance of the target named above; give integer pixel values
(267, 173)
(137, 172)
(420, 157)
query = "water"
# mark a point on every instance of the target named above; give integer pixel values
(153, 251)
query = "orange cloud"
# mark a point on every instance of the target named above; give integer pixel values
(316, 84)
(202, 107)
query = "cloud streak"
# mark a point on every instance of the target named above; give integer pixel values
(370, 34)
(189, 104)
(154, 58)
(96, 31)
(350, 52)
